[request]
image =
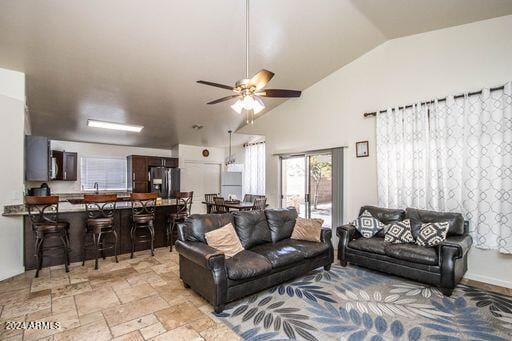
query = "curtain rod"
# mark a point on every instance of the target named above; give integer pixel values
(373, 114)
(252, 144)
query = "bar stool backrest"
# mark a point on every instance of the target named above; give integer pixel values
(43, 210)
(100, 205)
(143, 203)
(184, 202)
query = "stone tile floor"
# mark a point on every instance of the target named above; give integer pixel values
(136, 299)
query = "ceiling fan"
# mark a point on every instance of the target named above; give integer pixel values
(249, 91)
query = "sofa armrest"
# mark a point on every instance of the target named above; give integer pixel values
(325, 235)
(345, 234)
(347, 230)
(201, 254)
(461, 244)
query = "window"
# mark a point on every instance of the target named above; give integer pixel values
(108, 172)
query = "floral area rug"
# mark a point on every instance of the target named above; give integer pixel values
(354, 303)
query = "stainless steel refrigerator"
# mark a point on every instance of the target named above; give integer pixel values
(164, 181)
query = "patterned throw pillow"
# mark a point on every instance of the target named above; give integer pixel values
(432, 234)
(367, 225)
(399, 232)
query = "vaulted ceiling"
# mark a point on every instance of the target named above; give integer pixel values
(137, 61)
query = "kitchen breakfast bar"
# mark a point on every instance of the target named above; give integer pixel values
(74, 212)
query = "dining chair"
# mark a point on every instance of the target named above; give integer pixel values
(183, 209)
(99, 223)
(260, 204)
(209, 197)
(219, 205)
(44, 218)
(143, 218)
(248, 198)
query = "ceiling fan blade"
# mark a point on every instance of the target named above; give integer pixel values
(261, 79)
(216, 85)
(282, 93)
(223, 99)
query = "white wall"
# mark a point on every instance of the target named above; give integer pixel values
(94, 149)
(12, 112)
(400, 71)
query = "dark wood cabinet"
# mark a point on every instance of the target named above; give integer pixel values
(155, 161)
(37, 158)
(66, 165)
(138, 170)
(138, 176)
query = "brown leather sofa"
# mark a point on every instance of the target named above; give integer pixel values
(270, 256)
(442, 266)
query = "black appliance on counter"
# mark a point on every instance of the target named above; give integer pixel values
(165, 181)
(42, 191)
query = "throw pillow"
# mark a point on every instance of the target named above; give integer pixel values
(367, 225)
(432, 234)
(307, 229)
(225, 240)
(399, 232)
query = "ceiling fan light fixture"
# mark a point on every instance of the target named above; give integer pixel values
(258, 105)
(238, 106)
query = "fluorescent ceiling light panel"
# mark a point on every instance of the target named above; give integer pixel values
(114, 126)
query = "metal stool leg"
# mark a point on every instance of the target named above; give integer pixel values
(84, 240)
(96, 251)
(66, 254)
(39, 255)
(171, 231)
(152, 233)
(115, 244)
(132, 236)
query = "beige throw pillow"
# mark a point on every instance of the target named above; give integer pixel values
(225, 240)
(307, 229)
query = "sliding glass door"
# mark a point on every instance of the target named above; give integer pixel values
(293, 183)
(306, 184)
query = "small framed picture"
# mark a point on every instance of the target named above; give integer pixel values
(362, 149)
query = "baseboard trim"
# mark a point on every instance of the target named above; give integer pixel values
(10, 274)
(489, 280)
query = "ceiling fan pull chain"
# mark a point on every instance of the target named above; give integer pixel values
(247, 39)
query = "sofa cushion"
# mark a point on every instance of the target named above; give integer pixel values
(432, 234)
(367, 225)
(279, 254)
(399, 232)
(308, 248)
(281, 222)
(374, 245)
(418, 217)
(412, 253)
(247, 264)
(197, 225)
(385, 216)
(225, 240)
(252, 228)
(307, 229)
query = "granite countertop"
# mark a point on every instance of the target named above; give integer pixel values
(67, 207)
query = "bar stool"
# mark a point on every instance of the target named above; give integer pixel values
(143, 218)
(44, 217)
(100, 223)
(183, 208)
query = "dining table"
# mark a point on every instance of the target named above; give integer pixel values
(230, 205)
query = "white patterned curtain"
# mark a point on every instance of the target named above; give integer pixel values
(453, 155)
(254, 169)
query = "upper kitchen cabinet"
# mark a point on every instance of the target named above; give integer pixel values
(37, 158)
(169, 162)
(65, 165)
